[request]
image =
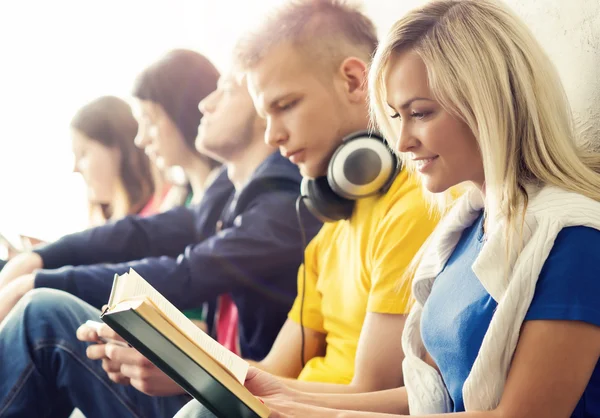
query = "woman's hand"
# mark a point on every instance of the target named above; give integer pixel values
(290, 409)
(264, 385)
(281, 400)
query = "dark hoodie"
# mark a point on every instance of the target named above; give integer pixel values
(255, 256)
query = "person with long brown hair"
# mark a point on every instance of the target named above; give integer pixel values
(119, 178)
(166, 97)
(118, 175)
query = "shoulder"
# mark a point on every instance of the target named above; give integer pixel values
(572, 264)
(405, 206)
(574, 245)
(270, 190)
(327, 234)
(405, 195)
(568, 208)
(569, 281)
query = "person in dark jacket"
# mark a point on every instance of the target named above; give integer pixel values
(243, 239)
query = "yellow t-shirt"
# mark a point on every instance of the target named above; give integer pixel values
(355, 266)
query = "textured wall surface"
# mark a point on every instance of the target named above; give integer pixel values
(569, 31)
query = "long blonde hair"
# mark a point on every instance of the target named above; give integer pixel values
(485, 67)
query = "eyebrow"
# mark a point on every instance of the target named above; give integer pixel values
(406, 104)
(273, 102)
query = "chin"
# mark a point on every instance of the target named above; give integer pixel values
(160, 162)
(304, 171)
(433, 186)
(204, 143)
(311, 174)
(312, 170)
(98, 197)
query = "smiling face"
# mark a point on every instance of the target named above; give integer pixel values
(442, 146)
(308, 109)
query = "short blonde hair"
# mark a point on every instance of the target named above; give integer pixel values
(327, 31)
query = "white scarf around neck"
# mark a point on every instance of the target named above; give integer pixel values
(509, 278)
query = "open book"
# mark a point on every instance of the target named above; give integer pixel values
(201, 366)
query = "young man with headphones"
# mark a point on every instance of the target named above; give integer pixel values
(306, 69)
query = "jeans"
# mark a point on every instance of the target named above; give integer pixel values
(194, 409)
(44, 371)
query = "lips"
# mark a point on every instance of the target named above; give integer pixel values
(204, 121)
(424, 163)
(295, 157)
(288, 154)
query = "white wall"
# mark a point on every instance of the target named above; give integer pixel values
(67, 53)
(569, 30)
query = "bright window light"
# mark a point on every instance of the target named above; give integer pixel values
(58, 55)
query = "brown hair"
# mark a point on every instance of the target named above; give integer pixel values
(327, 30)
(178, 82)
(109, 121)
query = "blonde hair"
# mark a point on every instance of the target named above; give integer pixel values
(327, 31)
(485, 67)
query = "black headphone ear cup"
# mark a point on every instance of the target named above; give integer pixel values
(362, 166)
(323, 202)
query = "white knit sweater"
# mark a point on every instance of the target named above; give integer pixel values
(509, 279)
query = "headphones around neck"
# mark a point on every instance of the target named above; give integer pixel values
(363, 165)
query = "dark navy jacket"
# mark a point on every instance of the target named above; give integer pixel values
(255, 256)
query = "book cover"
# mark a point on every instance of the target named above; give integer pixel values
(153, 326)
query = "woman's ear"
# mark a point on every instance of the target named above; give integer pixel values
(353, 72)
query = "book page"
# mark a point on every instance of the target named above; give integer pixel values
(136, 286)
(118, 289)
